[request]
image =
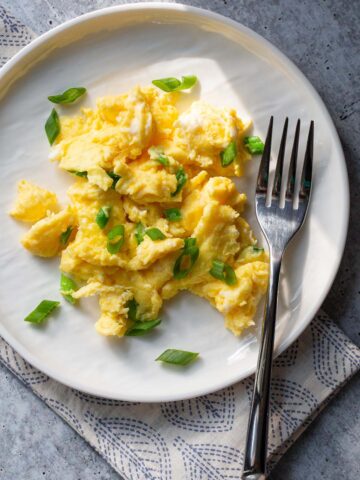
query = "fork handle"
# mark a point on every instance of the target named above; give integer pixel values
(256, 441)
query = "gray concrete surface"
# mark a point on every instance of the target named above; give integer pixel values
(323, 39)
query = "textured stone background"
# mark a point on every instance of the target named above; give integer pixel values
(323, 39)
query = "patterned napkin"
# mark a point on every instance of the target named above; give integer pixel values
(202, 438)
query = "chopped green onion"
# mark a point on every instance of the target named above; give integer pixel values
(172, 84)
(115, 178)
(189, 254)
(69, 96)
(155, 234)
(163, 159)
(141, 328)
(67, 287)
(41, 311)
(157, 154)
(228, 155)
(181, 178)
(116, 239)
(132, 312)
(138, 328)
(83, 174)
(187, 82)
(139, 232)
(103, 216)
(189, 242)
(64, 237)
(223, 271)
(173, 214)
(177, 357)
(52, 126)
(254, 144)
(169, 84)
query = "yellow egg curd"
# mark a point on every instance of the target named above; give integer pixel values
(148, 178)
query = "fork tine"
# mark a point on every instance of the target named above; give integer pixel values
(263, 176)
(305, 186)
(293, 161)
(280, 162)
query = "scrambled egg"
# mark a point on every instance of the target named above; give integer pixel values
(33, 203)
(136, 158)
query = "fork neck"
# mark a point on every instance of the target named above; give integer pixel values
(276, 253)
(275, 267)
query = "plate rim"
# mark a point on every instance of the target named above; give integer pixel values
(217, 18)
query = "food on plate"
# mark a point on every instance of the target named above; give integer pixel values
(152, 210)
(172, 84)
(69, 96)
(177, 357)
(43, 238)
(42, 311)
(33, 203)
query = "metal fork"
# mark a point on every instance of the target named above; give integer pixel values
(279, 225)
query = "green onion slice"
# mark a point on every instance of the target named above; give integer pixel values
(142, 328)
(254, 144)
(69, 96)
(44, 309)
(172, 84)
(181, 178)
(187, 258)
(116, 239)
(67, 287)
(155, 234)
(103, 216)
(177, 357)
(169, 84)
(138, 328)
(139, 232)
(115, 178)
(78, 173)
(157, 154)
(223, 271)
(163, 159)
(132, 305)
(187, 82)
(64, 237)
(52, 126)
(173, 214)
(228, 155)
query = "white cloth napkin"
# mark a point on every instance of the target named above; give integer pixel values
(202, 438)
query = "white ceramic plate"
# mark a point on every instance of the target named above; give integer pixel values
(109, 51)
